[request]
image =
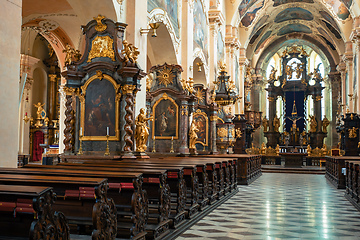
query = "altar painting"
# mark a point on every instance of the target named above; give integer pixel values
(165, 112)
(99, 108)
(202, 123)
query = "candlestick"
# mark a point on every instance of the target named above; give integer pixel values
(81, 131)
(107, 151)
(80, 152)
(172, 145)
(153, 150)
(107, 131)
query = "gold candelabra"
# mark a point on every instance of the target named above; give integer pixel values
(80, 152)
(153, 150)
(107, 151)
(172, 145)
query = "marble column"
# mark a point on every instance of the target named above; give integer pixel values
(187, 39)
(213, 119)
(243, 63)
(348, 59)
(69, 122)
(215, 21)
(341, 68)
(335, 81)
(184, 127)
(10, 42)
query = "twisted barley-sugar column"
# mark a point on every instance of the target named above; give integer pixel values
(128, 91)
(69, 122)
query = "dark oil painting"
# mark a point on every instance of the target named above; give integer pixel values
(166, 114)
(201, 124)
(100, 108)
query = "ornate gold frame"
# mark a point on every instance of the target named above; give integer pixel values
(81, 96)
(199, 112)
(166, 97)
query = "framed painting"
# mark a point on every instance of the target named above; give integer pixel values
(100, 108)
(202, 122)
(166, 118)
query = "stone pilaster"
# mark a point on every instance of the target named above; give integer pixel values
(335, 83)
(243, 63)
(341, 68)
(348, 59)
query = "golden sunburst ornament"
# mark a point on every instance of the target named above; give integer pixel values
(200, 96)
(165, 77)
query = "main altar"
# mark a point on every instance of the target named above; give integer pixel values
(296, 128)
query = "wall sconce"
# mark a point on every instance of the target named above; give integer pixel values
(153, 26)
(199, 64)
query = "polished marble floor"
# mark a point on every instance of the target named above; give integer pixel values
(282, 206)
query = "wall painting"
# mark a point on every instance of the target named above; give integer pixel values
(200, 27)
(171, 7)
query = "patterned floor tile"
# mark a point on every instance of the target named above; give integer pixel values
(282, 206)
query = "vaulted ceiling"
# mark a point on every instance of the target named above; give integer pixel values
(277, 23)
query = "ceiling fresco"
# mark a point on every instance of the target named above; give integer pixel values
(295, 13)
(332, 29)
(258, 24)
(264, 37)
(280, 2)
(244, 6)
(339, 8)
(257, 34)
(251, 13)
(297, 27)
(330, 20)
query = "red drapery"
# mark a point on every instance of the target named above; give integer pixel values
(37, 150)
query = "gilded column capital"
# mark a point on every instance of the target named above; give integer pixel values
(128, 89)
(52, 77)
(68, 90)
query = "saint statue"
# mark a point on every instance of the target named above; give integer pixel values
(263, 148)
(40, 109)
(308, 150)
(141, 131)
(325, 123)
(276, 124)
(192, 134)
(265, 124)
(313, 124)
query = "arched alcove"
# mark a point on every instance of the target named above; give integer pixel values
(199, 72)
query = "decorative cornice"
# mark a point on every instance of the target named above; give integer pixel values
(216, 17)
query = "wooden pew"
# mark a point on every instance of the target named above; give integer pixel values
(125, 190)
(187, 188)
(175, 179)
(98, 212)
(334, 174)
(26, 211)
(248, 167)
(352, 193)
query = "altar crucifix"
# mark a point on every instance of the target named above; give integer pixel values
(294, 118)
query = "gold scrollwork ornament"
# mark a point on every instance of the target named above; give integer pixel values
(100, 26)
(102, 46)
(222, 132)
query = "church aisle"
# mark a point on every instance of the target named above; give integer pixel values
(282, 206)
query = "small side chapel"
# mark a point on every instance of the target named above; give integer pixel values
(137, 118)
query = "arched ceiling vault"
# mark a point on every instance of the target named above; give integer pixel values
(264, 24)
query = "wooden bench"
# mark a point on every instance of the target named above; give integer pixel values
(334, 166)
(125, 189)
(352, 193)
(26, 211)
(175, 179)
(94, 210)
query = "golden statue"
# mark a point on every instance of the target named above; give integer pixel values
(192, 135)
(313, 124)
(141, 130)
(69, 54)
(352, 132)
(308, 150)
(130, 52)
(263, 149)
(325, 123)
(265, 124)
(277, 149)
(276, 124)
(324, 150)
(40, 109)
